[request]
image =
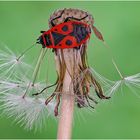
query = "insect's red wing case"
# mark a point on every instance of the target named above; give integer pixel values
(59, 29)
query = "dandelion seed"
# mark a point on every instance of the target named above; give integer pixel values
(133, 83)
(10, 64)
(111, 87)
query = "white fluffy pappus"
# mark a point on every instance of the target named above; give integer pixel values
(28, 111)
(11, 64)
(111, 87)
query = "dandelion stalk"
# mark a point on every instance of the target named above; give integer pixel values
(67, 108)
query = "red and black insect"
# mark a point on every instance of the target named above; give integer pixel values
(69, 34)
(65, 35)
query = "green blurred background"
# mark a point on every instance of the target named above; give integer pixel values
(20, 24)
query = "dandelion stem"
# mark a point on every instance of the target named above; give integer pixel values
(67, 108)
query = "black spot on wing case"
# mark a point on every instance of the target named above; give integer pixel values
(80, 32)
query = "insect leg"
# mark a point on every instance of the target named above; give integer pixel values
(52, 21)
(57, 105)
(78, 19)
